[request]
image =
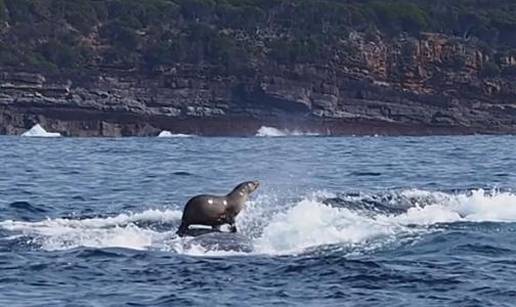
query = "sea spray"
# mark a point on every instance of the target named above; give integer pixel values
(288, 228)
(265, 131)
(38, 131)
(168, 134)
(118, 231)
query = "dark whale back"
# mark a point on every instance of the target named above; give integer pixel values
(220, 241)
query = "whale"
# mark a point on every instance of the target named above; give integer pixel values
(217, 240)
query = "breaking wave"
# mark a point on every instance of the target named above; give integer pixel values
(168, 134)
(38, 131)
(275, 132)
(354, 222)
(129, 230)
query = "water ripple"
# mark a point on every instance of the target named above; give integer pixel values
(395, 221)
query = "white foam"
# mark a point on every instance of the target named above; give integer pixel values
(118, 231)
(38, 131)
(279, 228)
(475, 206)
(311, 223)
(168, 134)
(265, 131)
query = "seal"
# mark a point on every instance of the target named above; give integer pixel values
(215, 210)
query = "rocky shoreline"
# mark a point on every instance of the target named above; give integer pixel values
(414, 94)
(226, 68)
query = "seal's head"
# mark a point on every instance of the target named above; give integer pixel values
(246, 188)
(251, 186)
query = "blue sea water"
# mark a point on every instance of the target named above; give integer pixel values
(348, 221)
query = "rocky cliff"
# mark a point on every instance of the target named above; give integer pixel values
(373, 83)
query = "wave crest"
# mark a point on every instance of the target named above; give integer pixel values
(124, 230)
(38, 131)
(168, 134)
(265, 131)
(354, 222)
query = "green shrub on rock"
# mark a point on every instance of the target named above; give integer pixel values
(233, 34)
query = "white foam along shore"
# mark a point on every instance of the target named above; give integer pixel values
(38, 131)
(168, 134)
(289, 229)
(265, 131)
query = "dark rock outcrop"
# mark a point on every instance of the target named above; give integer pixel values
(430, 85)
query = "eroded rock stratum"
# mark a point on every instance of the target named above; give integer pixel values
(200, 74)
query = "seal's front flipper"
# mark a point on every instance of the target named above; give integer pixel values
(183, 229)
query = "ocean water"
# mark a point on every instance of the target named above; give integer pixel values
(348, 221)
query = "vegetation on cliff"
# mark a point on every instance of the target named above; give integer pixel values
(235, 35)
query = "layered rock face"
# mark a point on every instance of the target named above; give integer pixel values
(433, 84)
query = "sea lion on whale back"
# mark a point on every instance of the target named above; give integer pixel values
(214, 210)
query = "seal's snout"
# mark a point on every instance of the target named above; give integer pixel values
(253, 185)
